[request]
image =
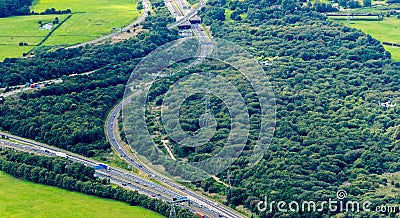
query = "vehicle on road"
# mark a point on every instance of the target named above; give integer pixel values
(102, 166)
(200, 215)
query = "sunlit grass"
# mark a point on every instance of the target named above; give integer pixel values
(386, 30)
(21, 198)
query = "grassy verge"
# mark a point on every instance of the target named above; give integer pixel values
(25, 199)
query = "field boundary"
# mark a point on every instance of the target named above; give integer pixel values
(391, 44)
(50, 33)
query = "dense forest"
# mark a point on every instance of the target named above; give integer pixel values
(14, 7)
(331, 131)
(65, 174)
(328, 79)
(71, 114)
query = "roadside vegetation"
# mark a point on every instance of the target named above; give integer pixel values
(331, 132)
(74, 177)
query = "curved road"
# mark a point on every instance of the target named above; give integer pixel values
(112, 134)
(169, 189)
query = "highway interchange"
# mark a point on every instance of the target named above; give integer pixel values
(207, 205)
(164, 189)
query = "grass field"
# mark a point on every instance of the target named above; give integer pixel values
(25, 199)
(90, 19)
(22, 29)
(387, 30)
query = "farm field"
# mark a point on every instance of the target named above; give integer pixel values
(90, 19)
(25, 199)
(22, 29)
(386, 30)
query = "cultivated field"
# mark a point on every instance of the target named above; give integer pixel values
(25, 199)
(22, 29)
(90, 19)
(387, 30)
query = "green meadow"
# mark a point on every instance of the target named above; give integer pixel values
(91, 19)
(21, 198)
(386, 30)
(22, 29)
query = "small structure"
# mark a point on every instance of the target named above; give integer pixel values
(387, 104)
(195, 20)
(47, 26)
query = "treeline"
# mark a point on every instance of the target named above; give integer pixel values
(14, 7)
(77, 177)
(52, 11)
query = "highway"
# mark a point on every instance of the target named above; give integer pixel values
(117, 176)
(188, 15)
(208, 206)
(22, 88)
(169, 189)
(146, 9)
